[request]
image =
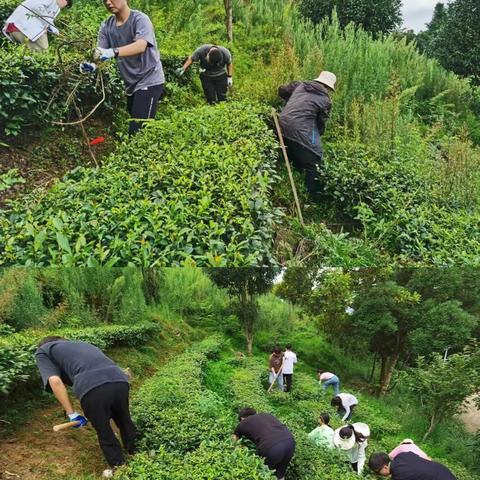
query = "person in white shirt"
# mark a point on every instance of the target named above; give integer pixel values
(289, 359)
(353, 439)
(322, 436)
(345, 403)
(31, 20)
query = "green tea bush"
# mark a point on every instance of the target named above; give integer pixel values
(21, 302)
(17, 361)
(194, 188)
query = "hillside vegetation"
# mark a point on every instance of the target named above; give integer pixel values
(191, 377)
(402, 171)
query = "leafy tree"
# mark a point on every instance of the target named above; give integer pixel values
(456, 38)
(245, 285)
(440, 386)
(383, 319)
(425, 38)
(442, 326)
(375, 16)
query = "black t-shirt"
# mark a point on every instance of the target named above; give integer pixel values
(409, 466)
(78, 364)
(264, 430)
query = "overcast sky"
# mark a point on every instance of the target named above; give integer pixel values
(416, 13)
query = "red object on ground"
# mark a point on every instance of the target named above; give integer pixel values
(11, 27)
(97, 140)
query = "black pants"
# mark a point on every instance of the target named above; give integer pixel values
(214, 88)
(306, 161)
(278, 457)
(287, 381)
(110, 401)
(142, 105)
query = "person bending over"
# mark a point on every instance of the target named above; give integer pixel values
(274, 441)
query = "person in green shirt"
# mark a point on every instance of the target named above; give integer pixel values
(322, 436)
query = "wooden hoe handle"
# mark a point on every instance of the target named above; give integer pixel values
(65, 426)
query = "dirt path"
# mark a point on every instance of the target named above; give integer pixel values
(37, 452)
(471, 418)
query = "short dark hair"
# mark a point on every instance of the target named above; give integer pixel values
(336, 402)
(215, 56)
(52, 338)
(288, 346)
(378, 460)
(325, 418)
(246, 412)
(277, 349)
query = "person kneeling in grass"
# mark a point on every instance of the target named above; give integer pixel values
(274, 441)
(322, 436)
(353, 439)
(128, 36)
(101, 386)
(408, 466)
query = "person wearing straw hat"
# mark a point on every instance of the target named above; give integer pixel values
(408, 445)
(353, 440)
(408, 466)
(303, 121)
(31, 20)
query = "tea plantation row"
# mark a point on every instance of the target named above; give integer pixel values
(193, 188)
(17, 361)
(186, 428)
(186, 419)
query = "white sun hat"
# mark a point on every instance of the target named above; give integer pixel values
(344, 437)
(327, 78)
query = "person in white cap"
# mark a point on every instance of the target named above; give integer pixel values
(303, 121)
(31, 20)
(408, 445)
(345, 403)
(353, 439)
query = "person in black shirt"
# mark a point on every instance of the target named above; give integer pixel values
(409, 466)
(100, 385)
(274, 441)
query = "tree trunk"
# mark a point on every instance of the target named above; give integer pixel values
(372, 373)
(387, 372)
(433, 424)
(249, 337)
(229, 18)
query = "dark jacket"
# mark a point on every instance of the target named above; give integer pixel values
(304, 116)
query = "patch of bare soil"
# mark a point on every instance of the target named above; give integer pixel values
(36, 452)
(43, 158)
(471, 417)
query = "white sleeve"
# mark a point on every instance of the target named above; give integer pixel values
(295, 358)
(361, 457)
(347, 412)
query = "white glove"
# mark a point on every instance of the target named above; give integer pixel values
(53, 30)
(229, 82)
(87, 67)
(103, 54)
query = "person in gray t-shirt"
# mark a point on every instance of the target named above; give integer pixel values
(100, 385)
(216, 69)
(129, 37)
